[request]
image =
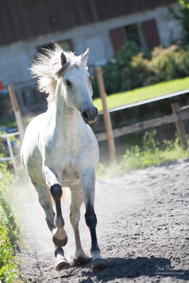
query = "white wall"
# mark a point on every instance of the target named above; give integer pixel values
(16, 58)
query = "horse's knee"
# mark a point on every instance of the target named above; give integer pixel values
(56, 192)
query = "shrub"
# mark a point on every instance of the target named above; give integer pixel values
(8, 232)
(183, 17)
(164, 64)
(151, 153)
(138, 74)
(113, 69)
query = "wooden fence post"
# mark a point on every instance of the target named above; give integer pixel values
(17, 112)
(107, 119)
(179, 125)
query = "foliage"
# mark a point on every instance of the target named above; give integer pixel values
(164, 65)
(183, 17)
(140, 94)
(184, 10)
(149, 153)
(8, 270)
(145, 156)
(8, 231)
(2, 148)
(113, 68)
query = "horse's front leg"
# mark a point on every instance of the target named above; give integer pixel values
(76, 202)
(46, 203)
(88, 181)
(59, 234)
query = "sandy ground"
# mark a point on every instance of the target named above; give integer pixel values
(142, 230)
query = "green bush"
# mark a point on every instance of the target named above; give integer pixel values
(8, 231)
(184, 10)
(139, 73)
(132, 68)
(183, 17)
(112, 70)
(165, 64)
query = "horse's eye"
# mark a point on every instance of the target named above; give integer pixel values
(68, 83)
(91, 78)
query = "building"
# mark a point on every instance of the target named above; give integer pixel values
(102, 25)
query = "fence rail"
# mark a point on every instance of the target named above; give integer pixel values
(153, 123)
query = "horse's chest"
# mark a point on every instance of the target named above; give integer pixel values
(65, 169)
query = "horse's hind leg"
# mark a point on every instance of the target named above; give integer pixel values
(45, 201)
(88, 181)
(61, 262)
(76, 202)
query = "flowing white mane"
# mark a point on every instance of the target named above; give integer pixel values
(47, 68)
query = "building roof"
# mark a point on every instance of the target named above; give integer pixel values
(24, 19)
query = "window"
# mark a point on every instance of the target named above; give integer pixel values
(132, 34)
(120, 35)
(66, 45)
(150, 32)
(144, 34)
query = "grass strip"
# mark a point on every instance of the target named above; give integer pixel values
(9, 272)
(140, 94)
(150, 153)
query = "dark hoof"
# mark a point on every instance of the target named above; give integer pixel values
(80, 260)
(98, 264)
(62, 264)
(60, 243)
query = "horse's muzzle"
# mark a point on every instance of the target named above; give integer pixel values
(90, 115)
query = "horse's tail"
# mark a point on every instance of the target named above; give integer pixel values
(66, 194)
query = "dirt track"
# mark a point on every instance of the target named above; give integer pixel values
(142, 230)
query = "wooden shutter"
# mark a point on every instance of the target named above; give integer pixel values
(151, 34)
(118, 38)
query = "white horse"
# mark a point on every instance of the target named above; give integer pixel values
(60, 150)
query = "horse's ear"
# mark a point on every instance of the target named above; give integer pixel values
(63, 58)
(84, 57)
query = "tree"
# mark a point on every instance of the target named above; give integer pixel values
(183, 16)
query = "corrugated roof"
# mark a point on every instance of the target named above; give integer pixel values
(23, 19)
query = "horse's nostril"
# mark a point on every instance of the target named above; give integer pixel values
(85, 116)
(89, 115)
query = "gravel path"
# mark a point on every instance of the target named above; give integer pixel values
(142, 230)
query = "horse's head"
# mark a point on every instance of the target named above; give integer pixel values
(76, 85)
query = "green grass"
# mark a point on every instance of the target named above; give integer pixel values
(123, 98)
(150, 153)
(9, 234)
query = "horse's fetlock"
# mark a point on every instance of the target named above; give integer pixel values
(59, 222)
(58, 250)
(95, 248)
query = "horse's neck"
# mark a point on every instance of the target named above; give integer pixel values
(67, 119)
